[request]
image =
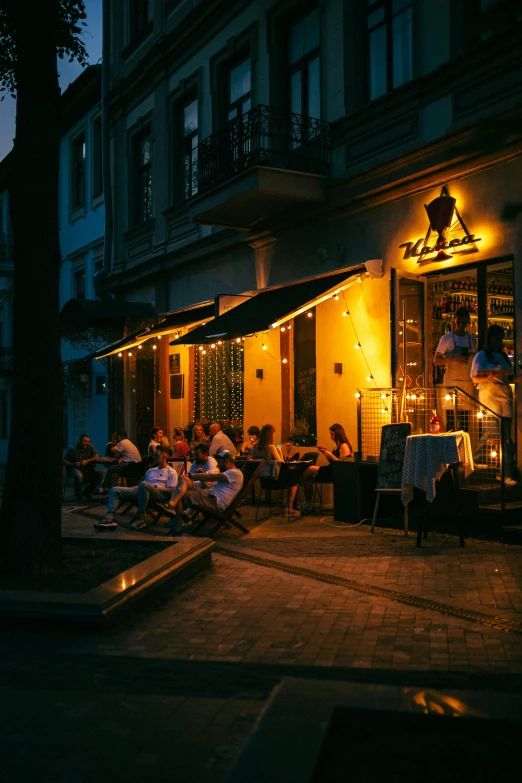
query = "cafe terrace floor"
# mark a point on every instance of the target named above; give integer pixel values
(178, 686)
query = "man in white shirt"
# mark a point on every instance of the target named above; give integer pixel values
(203, 463)
(220, 441)
(158, 485)
(128, 455)
(225, 486)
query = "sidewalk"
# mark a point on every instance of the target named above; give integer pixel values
(176, 690)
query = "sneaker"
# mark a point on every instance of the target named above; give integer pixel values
(106, 524)
(138, 523)
(509, 482)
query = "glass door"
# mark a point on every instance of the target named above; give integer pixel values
(408, 359)
(501, 303)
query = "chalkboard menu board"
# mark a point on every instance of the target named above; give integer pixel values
(391, 459)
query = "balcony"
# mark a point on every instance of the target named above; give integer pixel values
(6, 255)
(258, 164)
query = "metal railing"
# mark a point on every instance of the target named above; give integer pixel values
(264, 136)
(457, 411)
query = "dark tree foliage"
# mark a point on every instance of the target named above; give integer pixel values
(32, 34)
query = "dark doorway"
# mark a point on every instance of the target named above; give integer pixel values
(305, 372)
(144, 401)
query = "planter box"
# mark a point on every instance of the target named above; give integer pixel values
(183, 558)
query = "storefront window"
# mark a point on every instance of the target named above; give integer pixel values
(500, 303)
(305, 374)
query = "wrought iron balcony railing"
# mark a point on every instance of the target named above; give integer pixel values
(264, 136)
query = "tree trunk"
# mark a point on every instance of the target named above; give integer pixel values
(30, 518)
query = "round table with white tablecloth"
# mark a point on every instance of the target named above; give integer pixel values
(427, 457)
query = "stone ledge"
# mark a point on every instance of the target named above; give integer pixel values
(185, 557)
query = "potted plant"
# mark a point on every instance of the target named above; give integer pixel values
(300, 434)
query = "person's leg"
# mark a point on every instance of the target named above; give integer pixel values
(113, 474)
(508, 451)
(291, 511)
(307, 480)
(183, 485)
(146, 493)
(119, 495)
(77, 475)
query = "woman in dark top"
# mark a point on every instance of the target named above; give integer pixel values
(324, 473)
(265, 449)
(251, 441)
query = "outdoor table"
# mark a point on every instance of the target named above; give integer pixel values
(426, 459)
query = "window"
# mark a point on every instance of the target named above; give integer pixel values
(140, 14)
(78, 172)
(497, 17)
(142, 177)
(303, 61)
(97, 182)
(189, 148)
(3, 415)
(390, 45)
(239, 87)
(79, 284)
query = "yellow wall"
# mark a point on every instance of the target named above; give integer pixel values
(263, 396)
(368, 304)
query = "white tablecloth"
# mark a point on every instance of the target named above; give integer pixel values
(427, 457)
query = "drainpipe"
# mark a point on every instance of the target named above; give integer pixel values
(103, 273)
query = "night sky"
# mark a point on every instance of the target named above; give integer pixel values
(68, 72)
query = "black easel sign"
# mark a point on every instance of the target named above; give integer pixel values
(391, 458)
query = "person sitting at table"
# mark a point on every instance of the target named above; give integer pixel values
(158, 485)
(127, 454)
(79, 463)
(220, 441)
(324, 473)
(225, 486)
(265, 449)
(157, 437)
(492, 371)
(198, 437)
(251, 440)
(180, 447)
(111, 444)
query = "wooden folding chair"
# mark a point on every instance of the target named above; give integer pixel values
(250, 472)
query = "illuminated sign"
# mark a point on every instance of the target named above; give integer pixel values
(452, 232)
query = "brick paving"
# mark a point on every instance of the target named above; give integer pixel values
(176, 690)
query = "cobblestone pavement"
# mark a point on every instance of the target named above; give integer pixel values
(175, 690)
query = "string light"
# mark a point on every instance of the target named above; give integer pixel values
(345, 313)
(120, 354)
(284, 361)
(265, 348)
(336, 297)
(140, 347)
(357, 346)
(154, 347)
(310, 314)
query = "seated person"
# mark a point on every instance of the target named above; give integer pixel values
(180, 447)
(324, 473)
(157, 485)
(203, 462)
(251, 440)
(265, 449)
(226, 484)
(111, 444)
(127, 454)
(79, 462)
(220, 441)
(198, 436)
(156, 437)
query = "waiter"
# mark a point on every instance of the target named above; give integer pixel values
(455, 352)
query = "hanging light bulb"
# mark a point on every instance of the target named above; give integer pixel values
(336, 297)
(159, 336)
(140, 347)
(345, 313)
(358, 345)
(369, 377)
(480, 414)
(357, 394)
(493, 454)
(310, 314)
(238, 340)
(120, 354)
(289, 326)
(383, 396)
(213, 345)
(220, 342)
(285, 361)
(200, 348)
(265, 348)
(283, 329)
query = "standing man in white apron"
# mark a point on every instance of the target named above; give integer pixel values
(455, 352)
(493, 372)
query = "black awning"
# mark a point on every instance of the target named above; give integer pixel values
(264, 309)
(77, 315)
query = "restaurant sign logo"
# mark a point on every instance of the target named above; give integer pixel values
(452, 233)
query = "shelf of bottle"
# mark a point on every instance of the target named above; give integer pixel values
(501, 316)
(450, 315)
(467, 292)
(507, 297)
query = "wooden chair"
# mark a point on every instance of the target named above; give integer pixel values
(250, 472)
